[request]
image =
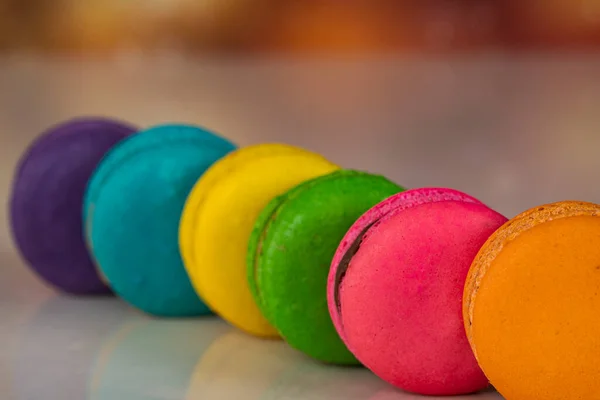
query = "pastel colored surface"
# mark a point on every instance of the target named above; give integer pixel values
(133, 206)
(53, 326)
(47, 197)
(275, 373)
(166, 351)
(290, 251)
(218, 219)
(395, 291)
(235, 355)
(531, 304)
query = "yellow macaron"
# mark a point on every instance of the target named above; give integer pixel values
(218, 218)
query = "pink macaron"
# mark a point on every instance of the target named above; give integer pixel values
(395, 289)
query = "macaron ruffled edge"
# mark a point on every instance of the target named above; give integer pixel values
(379, 213)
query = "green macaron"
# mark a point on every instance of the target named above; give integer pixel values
(290, 252)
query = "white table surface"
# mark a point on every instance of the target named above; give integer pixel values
(516, 131)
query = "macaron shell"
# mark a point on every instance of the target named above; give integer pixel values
(47, 196)
(532, 301)
(401, 297)
(256, 241)
(298, 243)
(202, 188)
(386, 208)
(133, 207)
(218, 219)
(152, 140)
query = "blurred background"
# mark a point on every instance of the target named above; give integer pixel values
(498, 98)
(297, 26)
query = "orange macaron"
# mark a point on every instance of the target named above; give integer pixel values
(532, 304)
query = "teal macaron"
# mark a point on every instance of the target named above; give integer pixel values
(290, 252)
(132, 208)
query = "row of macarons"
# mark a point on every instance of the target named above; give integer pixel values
(429, 288)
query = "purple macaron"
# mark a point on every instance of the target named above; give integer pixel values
(47, 199)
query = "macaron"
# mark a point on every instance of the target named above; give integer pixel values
(395, 289)
(290, 250)
(531, 304)
(47, 196)
(219, 216)
(132, 209)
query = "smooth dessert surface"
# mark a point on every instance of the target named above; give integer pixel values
(535, 316)
(223, 222)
